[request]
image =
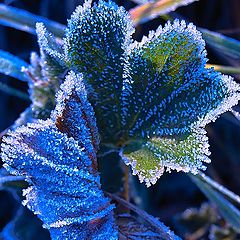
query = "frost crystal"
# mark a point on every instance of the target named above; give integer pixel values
(58, 158)
(152, 99)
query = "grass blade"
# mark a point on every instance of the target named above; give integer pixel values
(150, 10)
(225, 69)
(11, 65)
(26, 21)
(215, 194)
(12, 91)
(222, 44)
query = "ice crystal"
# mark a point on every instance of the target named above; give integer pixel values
(152, 99)
(58, 159)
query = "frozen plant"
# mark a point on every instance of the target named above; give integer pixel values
(151, 99)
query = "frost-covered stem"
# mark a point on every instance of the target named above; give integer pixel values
(234, 197)
(126, 183)
(165, 232)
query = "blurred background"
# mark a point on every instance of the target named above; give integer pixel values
(175, 192)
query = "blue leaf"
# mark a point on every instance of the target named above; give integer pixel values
(58, 158)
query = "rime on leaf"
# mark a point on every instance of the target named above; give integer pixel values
(95, 45)
(52, 57)
(65, 191)
(47, 73)
(152, 99)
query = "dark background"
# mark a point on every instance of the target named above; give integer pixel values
(174, 192)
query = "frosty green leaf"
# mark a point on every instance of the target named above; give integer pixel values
(152, 99)
(160, 154)
(52, 57)
(96, 40)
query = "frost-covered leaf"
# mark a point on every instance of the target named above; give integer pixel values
(150, 95)
(150, 9)
(26, 21)
(52, 57)
(169, 99)
(73, 107)
(160, 154)
(46, 73)
(164, 68)
(12, 66)
(65, 191)
(97, 38)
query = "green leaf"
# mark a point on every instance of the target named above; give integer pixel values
(26, 21)
(160, 154)
(152, 9)
(12, 66)
(228, 211)
(164, 68)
